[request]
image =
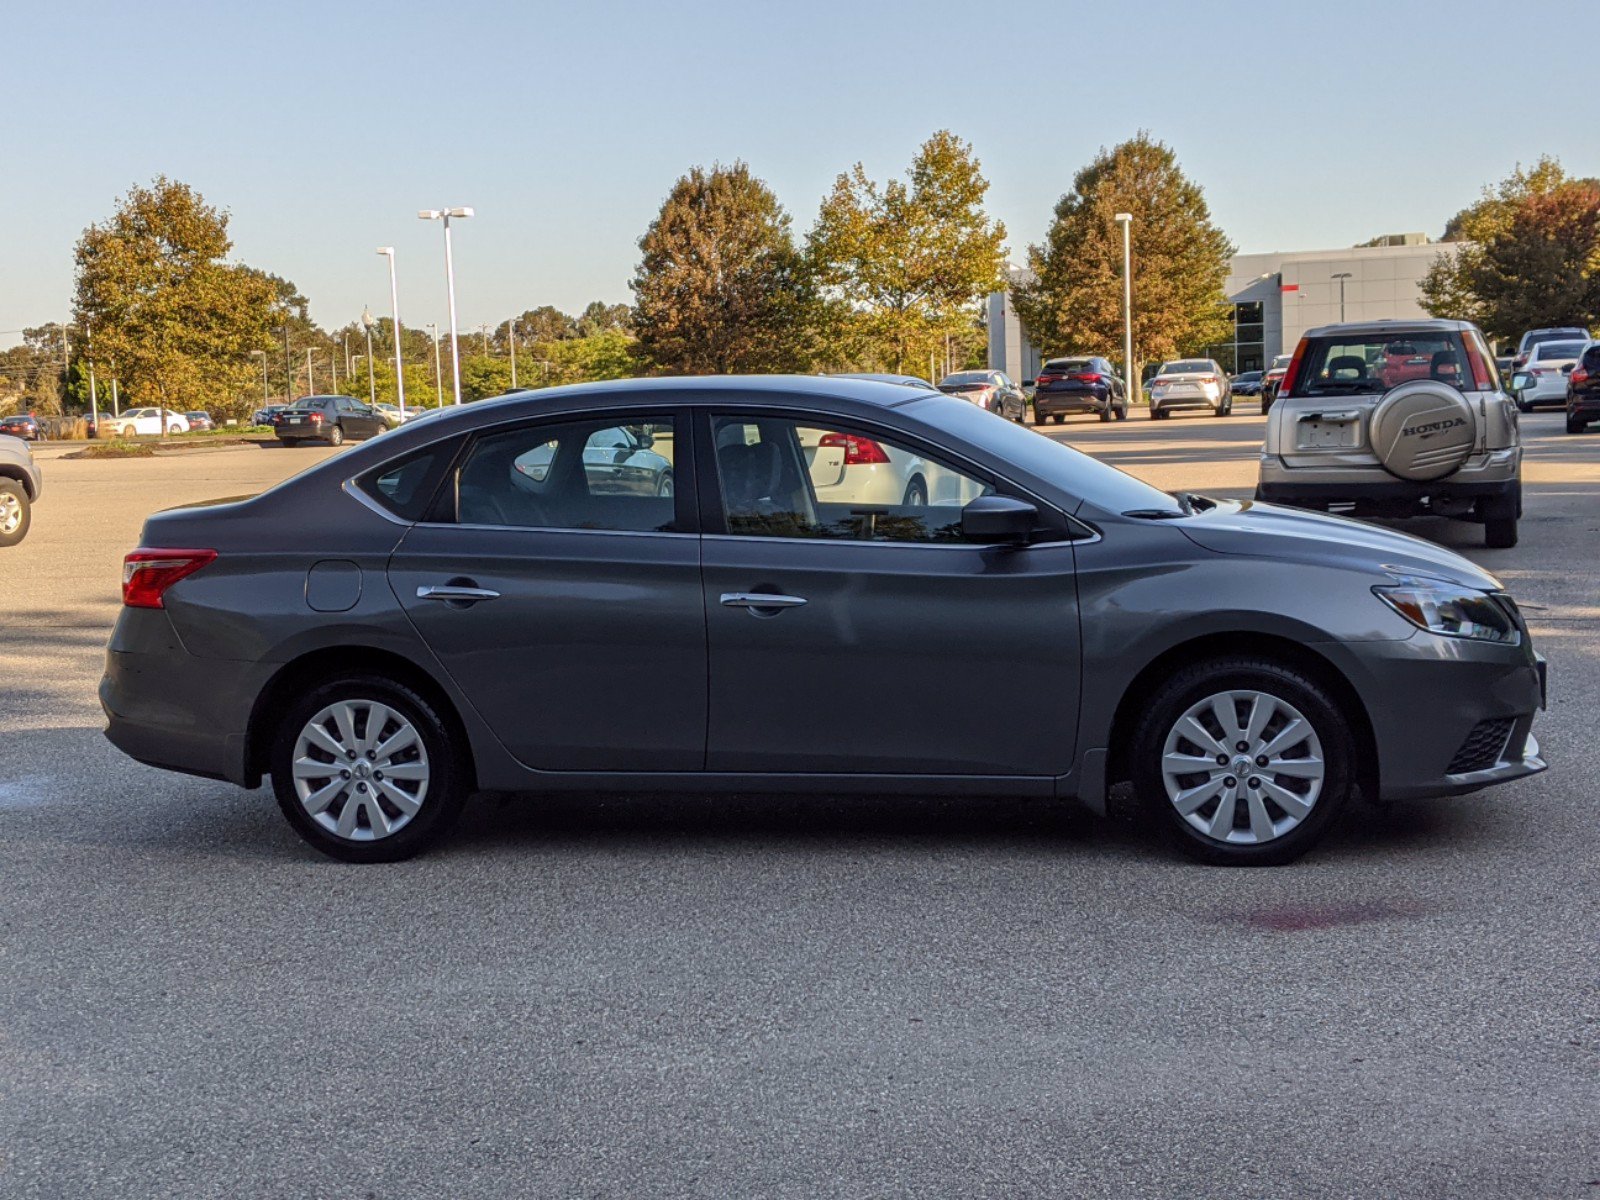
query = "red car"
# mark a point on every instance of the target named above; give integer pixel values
(21, 426)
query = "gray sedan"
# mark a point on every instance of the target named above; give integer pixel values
(506, 598)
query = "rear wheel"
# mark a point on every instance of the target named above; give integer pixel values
(916, 494)
(364, 770)
(1524, 406)
(16, 514)
(1105, 413)
(1243, 762)
(1499, 515)
(336, 436)
(664, 487)
(1122, 413)
(1576, 424)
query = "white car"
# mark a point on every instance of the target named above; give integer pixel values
(1190, 383)
(146, 422)
(848, 469)
(1544, 378)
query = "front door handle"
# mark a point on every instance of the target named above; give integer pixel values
(761, 600)
(449, 592)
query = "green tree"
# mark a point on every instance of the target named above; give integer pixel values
(546, 323)
(720, 286)
(905, 264)
(1524, 258)
(601, 317)
(163, 305)
(1180, 261)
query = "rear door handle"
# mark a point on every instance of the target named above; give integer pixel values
(456, 593)
(761, 600)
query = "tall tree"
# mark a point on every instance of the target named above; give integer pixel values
(177, 321)
(601, 317)
(1180, 261)
(905, 264)
(720, 286)
(1524, 260)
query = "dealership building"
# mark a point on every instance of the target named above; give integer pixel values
(1276, 298)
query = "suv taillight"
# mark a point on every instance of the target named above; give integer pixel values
(858, 451)
(1286, 387)
(147, 574)
(1476, 363)
(1086, 377)
(1579, 374)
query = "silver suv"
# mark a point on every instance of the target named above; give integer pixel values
(20, 484)
(1397, 419)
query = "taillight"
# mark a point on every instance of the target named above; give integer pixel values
(1579, 374)
(1087, 377)
(1476, 363)
(146, 574)
(1044, 379)
(1286, 387)
(1207, 379)
(316, 418)
(858, 451)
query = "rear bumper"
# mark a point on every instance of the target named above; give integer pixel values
(1175, 402)
(1584, 405)
(168, 708)
(1496, 473)
(1050, 403)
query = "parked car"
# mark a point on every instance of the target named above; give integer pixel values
(419, 618)
(146, 422)
(989, 390)
(1190, 383)
(393, 418)
(1530, 339)
(331, 419)
(21, 425)
(1343, 433)
(1583, 390)
(20, 485)
(264, 414)
(1271, 380)
(1247, 383)
(199, 421)
(1087, 384)
(1544, 379)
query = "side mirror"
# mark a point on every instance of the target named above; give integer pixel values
(1521, 380)
(998, 521)
(1567, 369)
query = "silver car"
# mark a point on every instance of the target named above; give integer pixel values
(1190, 383)
(1397, 419)
(20, 485)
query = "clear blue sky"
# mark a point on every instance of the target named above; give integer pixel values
(323, 127)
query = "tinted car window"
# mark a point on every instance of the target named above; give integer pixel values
(781, 478)
(1380, 361)
(1070, 364)
(575, 475)
(1591, 358)
(1548, 350)
(406, 486)
(1192, 366)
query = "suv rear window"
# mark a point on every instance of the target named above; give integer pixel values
(1376, 362)
(1069, 364)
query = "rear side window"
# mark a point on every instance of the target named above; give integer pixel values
(407, 485)
(1591, 358)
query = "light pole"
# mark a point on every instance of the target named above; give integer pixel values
(444, 214)
(394, 303)
(438, 373)
(484, 330)
(266, 400)
(311, 380)
(511, 334)
(1341, 277)
(367, 322)
(1126, 221)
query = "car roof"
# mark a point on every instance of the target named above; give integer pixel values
(1391, 327)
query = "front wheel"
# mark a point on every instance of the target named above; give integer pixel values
(1243, 761)
(15, 512)
(364, 769)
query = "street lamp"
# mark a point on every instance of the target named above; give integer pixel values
(399, 363)
(444, 214)
(438, 374)
(511, 333)
(367, 322)
(311, 380)
(1341, 277)
(1126, 221)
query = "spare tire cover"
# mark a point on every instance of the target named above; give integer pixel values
(1423, 430)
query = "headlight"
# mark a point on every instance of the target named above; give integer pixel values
(1451, 610)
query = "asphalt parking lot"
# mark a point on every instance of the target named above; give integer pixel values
(837, 996)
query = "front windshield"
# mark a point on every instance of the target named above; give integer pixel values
(1048, 460)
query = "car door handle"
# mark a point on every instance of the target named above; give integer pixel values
(456, 593)
(761, 600)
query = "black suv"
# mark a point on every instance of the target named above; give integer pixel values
(1583, 390)
(1078, 385)
(329, 419)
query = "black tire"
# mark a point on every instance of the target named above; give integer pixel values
(1193, 684)
(916, 494)
(1574, 425)
(336, 436)
(1122, 413)
(1105, 414)
(1499, 515)
(664, 485)
(12, 490)
(1220, 410)
(1500, 533)
(447, 784)
(1058, 418)
(1524, 406)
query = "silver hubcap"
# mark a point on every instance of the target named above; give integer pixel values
(1243, 767)
(360, 770)
(10, 513)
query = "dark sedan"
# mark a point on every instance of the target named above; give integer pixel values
(1078, 385)
(21, 426)
(992, 391)
(476, 602)
(331, 419)
(1247, 383)
(1583, 390)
